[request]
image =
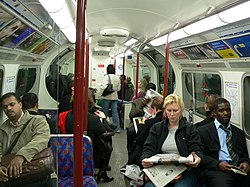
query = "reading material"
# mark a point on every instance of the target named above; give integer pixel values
(138, 121)
(150, 94)
(168, 167)
(161, 175)
(170, 159)
(238, 170)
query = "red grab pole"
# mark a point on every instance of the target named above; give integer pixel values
(79, 93)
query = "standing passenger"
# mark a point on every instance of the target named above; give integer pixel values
(224, 148)
(110, 101)
(174, 135)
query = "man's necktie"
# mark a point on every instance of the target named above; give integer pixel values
(234, 156)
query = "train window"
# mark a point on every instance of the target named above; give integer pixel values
(56, 77)
(26, 78)
(197, 86)
(159, 61)
(246, 106)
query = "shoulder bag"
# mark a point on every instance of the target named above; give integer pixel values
(109, 89)
(41, 166)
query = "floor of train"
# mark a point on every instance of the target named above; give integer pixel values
(118, 159)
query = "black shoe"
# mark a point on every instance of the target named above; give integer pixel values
(108, 168)
(103, 175)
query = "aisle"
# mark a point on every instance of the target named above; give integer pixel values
(118, 159)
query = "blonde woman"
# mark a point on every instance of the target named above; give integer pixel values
(174, 135)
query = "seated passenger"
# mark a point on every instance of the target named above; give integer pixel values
(30, 103)
(33, 139)
(224, 147)
(209, 100)
(142, 134)
(168, 137)
(98, 132)
(137, 111)
(141, 89)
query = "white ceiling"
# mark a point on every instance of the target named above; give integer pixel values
(144, 19)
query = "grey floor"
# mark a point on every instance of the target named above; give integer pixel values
(118, 159)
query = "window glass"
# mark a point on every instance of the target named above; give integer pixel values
(188, 89)
(56, 77)
(159, 61)
(26, 78)
(202, 85)
(246, 106)
(205, 84)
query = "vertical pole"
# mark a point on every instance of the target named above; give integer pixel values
(86, 91)
(79, 93)
(137, 72)
(123, 70)
(165, 90)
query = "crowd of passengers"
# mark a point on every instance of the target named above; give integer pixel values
(216, 145)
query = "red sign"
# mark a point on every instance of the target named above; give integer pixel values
(100, 65)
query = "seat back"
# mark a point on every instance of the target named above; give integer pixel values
(63, 150)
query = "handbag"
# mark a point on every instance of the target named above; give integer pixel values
(109, 89)
(104, 146)
(39, 167)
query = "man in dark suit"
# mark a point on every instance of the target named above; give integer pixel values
(224, 148)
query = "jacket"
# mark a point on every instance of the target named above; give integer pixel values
(211, 144)
(186, 137)
(33, 139)
(115, 80)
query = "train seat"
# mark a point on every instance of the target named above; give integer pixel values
(63, 150)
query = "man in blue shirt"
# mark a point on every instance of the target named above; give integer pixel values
(224, 148)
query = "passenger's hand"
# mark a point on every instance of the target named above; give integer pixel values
(146, 163)
(177, 178)
(196, 161)
(225, 166)
(15, 166)
(3, 174)
(245, 167)
(100, 114)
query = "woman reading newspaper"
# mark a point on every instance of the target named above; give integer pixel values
(174, 136)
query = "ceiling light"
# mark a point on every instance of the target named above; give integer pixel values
(204, 25)
(176, 35)
(106, 43)
(115, 32)
(60, 13)
(130, 41)
(236, 13)
(159, 41)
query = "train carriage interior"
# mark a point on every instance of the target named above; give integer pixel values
(197, 47)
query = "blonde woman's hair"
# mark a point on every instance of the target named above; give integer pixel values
(174, 98)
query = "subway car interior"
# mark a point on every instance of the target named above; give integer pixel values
(192, 48)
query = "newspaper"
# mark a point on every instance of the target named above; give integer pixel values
(170, 159)
(236, 169)
(150, 94)
(161, 175)
(167, 167)
(138, 121)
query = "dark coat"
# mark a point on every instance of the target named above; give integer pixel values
(144, 131)
(95, 130)
(52, 123)
(211, 144)
(186, 137)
